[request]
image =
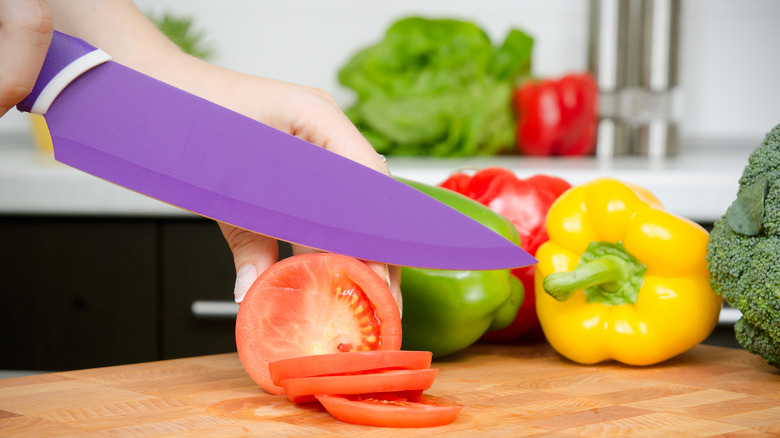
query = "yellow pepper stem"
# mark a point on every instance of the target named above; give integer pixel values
(607, 273)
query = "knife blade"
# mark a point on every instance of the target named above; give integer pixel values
(142, 134)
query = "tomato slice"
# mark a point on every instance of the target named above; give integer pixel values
(303, 389)
(310, 304)
(391, 409)
(344, 363)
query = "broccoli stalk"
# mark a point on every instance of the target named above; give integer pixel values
(743, 251)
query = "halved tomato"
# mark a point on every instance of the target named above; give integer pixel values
(344, 363)
(302, 390)
(391, 409)
(312, 304)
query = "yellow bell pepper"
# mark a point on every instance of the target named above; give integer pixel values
(621, 278)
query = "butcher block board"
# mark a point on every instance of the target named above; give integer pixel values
(507, 390)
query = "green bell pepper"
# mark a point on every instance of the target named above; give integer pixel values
(446, 311)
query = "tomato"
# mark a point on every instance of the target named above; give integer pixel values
(391, 410)
(311, 304)
(343, 363)
(302, 389)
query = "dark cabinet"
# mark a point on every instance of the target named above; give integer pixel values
(89, 292)
(197, 266)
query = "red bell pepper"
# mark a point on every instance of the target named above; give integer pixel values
(557, 117)
(525, 203)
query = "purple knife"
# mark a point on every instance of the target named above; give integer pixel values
(142, 134)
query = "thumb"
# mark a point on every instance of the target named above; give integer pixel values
(25, 32)
(252, 254)
(392, 275)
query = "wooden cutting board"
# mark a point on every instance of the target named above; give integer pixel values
(525, 390)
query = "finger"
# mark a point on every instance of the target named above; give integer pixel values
(392, 276)
(300, 249)
(346, 140)
(324, 124)
(395, 287)
(252, 254)
(26, 27)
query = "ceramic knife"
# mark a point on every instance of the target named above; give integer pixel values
(142, 134)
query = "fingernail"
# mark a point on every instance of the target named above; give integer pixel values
(387, 277)
(245, 276)
(397, 296)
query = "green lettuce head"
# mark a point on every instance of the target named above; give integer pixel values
(437, 87)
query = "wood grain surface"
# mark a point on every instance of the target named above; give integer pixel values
(517, 390)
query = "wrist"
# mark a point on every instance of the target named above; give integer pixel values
(118, 28)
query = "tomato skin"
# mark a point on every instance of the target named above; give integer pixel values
(282, 315)
(303, 389)
(344, 363)
(391, 410)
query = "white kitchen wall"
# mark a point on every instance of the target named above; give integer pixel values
(730, 68)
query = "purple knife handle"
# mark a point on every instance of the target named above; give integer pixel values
(68, 57)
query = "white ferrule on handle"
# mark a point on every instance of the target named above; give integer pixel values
(65, 77)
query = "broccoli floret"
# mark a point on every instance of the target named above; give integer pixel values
(728, 255)
(757, 342)
(764, 163)
(743, 254)
(758, 291)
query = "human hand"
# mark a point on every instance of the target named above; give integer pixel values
(314, 116)
(25, 32)
(305, 112)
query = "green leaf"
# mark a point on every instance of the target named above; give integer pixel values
(746, 215)
(514, 56)
(182, 33)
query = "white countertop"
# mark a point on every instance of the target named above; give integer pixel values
(699, 183)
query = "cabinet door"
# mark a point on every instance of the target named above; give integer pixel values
(77, 293)
(198, 266)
